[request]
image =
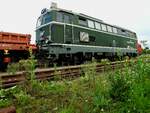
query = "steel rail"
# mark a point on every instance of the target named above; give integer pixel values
(67, 72)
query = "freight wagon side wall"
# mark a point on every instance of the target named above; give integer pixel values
(1, 58)
(14, 38)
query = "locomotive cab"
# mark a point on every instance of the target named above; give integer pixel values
(42, 29)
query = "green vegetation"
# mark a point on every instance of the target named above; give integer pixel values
(146, 51)
(125, 90)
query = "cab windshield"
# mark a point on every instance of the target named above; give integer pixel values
(44, 19)
(39, 22)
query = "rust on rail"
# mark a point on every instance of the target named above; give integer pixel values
(8, 80)
(10, 109)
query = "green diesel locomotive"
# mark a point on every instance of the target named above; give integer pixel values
(65, 36)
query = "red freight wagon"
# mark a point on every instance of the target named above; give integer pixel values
(139, 49)
(13, 47)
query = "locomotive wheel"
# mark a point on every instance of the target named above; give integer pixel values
(76, 60)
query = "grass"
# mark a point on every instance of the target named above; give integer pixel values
(122, 91)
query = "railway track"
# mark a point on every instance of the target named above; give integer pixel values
(68, 72)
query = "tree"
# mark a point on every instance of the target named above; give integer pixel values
(144, 43)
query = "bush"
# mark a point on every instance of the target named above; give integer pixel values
(125, 90)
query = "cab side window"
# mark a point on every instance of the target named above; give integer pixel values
(62, 17)
(47, 18)
(97, 25)
(67, 19)
(104, 27)
(91, 24)
(82, 21)
(109, 28)
(115, 30)
(59, 17)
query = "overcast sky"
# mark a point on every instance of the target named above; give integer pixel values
(21, 15)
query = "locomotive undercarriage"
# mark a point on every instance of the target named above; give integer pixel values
(75, 55)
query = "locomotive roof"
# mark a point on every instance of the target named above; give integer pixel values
(88, 17)
(79, 14)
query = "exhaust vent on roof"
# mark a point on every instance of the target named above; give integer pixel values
(53, 5)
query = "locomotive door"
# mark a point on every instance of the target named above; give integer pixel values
(68, 29)
(114, 43)
(68, 34)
